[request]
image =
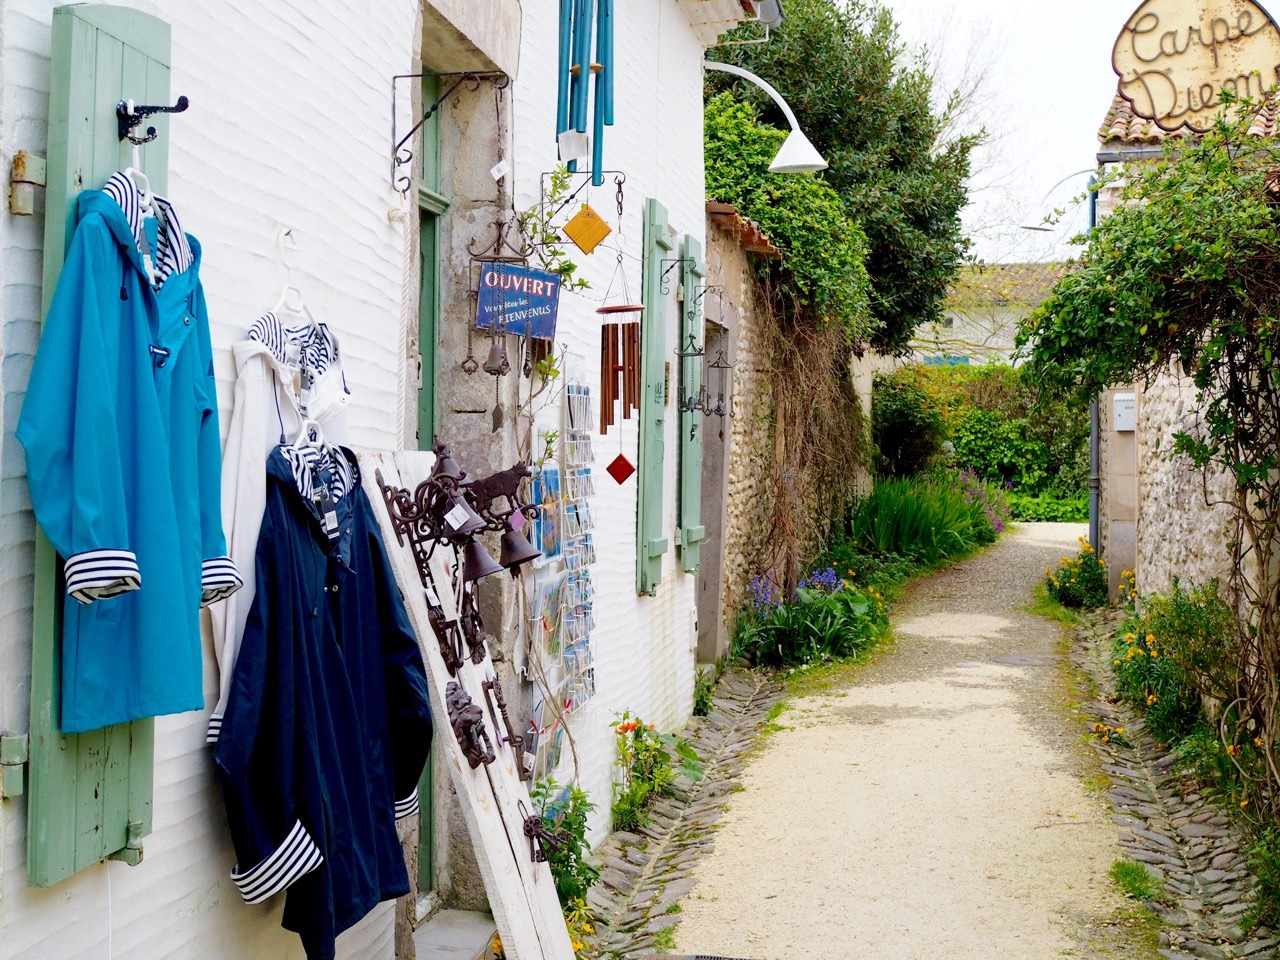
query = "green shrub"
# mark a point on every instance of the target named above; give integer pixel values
(1151, 679)
(927, 520)
(1079, 581)
(650, 763)
(1264, 861)
(907, 425)
(1005, 428)
(565, 811)
(704, 690)
(828, 619)
(864, 569)
(1000, 449)
(1046, 507)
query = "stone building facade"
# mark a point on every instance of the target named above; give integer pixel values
(1159, 515)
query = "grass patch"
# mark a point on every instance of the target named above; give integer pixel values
(1046, 606)
(664, 941)
(1137, 881)
(820, 678)
(675, 908)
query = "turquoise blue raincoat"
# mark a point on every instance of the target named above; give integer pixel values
(120, 427)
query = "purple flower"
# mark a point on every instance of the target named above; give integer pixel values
(824, 580)
(765, 595)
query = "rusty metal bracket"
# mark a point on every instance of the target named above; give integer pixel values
(467, 721)
(401, 154)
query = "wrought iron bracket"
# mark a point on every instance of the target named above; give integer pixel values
(664, 281)
(130, 115)
(401, 154)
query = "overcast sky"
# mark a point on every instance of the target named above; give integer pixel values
(1048, 84)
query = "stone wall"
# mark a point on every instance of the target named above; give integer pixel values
(749, 435)
(1179, 533)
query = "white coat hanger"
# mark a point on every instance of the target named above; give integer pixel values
(297, 306)
(311, 435)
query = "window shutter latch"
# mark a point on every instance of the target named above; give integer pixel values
(13, 758)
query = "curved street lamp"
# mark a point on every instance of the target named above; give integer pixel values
(1043, 227)
(797, 154)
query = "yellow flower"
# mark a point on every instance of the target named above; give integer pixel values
(1130, 637)
(1232, 750)
(1257, 741)
(1244, 803)
(1117, 662)
(1119, 729)
(1097, 728)
(1151, 639)
(1155, 654)
(1152, 698)
(1106, 739)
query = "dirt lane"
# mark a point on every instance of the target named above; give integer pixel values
(932, 806)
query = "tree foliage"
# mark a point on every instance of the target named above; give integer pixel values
(1185, 277)
(824, 250)
(865, 104)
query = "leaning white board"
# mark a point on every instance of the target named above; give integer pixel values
(521, 893)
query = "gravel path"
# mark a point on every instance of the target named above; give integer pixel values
(930, 804)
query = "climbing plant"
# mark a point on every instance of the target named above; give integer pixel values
(822, 276)
(867, 105)
(1185, 276)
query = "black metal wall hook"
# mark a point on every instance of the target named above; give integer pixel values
(130, 115)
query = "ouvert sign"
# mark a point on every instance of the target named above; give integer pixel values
(1175, 57)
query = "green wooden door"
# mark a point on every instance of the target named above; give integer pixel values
(651, 543)
(693, 273)
(431, 206)
(90, 794)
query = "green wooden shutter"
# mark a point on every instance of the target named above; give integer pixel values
(693, 273)
(650, 542)
(90, 794)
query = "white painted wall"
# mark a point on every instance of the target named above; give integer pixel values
(288, 125)
(645, 646)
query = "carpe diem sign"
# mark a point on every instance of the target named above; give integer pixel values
(517, 299)
(1175, 57)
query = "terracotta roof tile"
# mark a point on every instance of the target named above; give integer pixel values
(746, 233)
(1122, 127)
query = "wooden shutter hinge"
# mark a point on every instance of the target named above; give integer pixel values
(25, 174)
(13, 759)
(132, 850)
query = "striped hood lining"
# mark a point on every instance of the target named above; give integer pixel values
(317, 348)
(173, 252)
(307, 462)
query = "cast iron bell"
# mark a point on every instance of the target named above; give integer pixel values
(516, 549)
(446, 466)
(497, 364)
(476, 562)
(468, 521)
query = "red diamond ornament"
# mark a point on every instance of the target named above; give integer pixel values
(621, 469)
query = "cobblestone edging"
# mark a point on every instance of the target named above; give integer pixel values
(644, 873)
(1166, 824)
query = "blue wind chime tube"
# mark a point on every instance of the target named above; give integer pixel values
(604, 35)
(562, 90)
(582, 56)
(606, 58)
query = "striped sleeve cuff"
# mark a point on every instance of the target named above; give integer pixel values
(219, 579)
(294, 858)
(98, 574)
(408, 806)
(214, 729)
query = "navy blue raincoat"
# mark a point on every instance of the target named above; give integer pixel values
(327, 724)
